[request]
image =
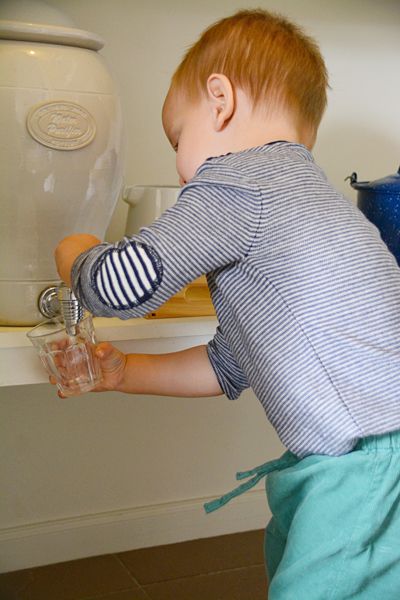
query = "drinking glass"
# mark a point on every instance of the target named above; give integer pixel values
(69, 358)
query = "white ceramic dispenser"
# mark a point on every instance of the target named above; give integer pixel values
(60, 148)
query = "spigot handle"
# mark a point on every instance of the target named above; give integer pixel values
(71, 310)
(61, 302)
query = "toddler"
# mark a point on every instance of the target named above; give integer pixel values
(306, 294)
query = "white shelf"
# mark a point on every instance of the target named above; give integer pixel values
(20, 365)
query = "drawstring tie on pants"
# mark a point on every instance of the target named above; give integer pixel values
(256, 475)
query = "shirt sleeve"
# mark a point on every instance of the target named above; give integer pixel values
(230, 376)
(210, 226)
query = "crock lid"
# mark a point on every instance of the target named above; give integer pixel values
(50, 34)
(36, 21)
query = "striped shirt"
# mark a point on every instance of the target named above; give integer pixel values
(306, 293)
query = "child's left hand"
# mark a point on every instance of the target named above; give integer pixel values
(113, 365)
(69, 249)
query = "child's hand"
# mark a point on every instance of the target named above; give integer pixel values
(69, 249)
(112, 364)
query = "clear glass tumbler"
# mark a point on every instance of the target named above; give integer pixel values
(69, 358)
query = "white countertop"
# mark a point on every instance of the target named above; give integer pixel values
(20, 365)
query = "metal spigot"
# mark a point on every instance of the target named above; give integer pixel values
(70, 308)
(61, 302)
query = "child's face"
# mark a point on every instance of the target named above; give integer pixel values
(189, 129)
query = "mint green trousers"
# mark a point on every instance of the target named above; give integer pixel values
(335, 527)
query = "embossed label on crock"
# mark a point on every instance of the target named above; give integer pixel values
(61, 125)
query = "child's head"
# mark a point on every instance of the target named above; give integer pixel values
(262, 55)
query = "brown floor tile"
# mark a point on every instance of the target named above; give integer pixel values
(13, 583)
(128, 595)
(175, 561)
(240, 584)
(78, 579)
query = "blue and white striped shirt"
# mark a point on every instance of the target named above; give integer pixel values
(306, 293)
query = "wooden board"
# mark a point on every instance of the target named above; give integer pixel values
(192, 301)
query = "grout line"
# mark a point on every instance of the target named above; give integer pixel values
(144, 589)
(198, 575)
(108, 595)
(121, 562)
(111, 594)
(203, 575)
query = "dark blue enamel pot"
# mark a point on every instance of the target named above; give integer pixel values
(379, 200)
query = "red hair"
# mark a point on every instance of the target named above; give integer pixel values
(264, 54)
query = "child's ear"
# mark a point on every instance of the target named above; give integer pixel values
(221, 98)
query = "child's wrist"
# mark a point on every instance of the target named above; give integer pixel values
(123, 382)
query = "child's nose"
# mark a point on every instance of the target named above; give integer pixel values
(182, 182)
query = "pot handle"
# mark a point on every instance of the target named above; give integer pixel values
(354, 183)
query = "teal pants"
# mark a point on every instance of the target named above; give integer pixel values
(335, 527)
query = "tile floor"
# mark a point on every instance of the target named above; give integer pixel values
(229, 567)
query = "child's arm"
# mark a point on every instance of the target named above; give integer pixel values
(69, 249)
(199, 371)
(210, 226)
(186, 373)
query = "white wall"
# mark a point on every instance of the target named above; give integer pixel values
(106, 473)
(360, 40)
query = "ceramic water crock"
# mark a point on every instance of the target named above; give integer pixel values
(379, 200)
(60, 156)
